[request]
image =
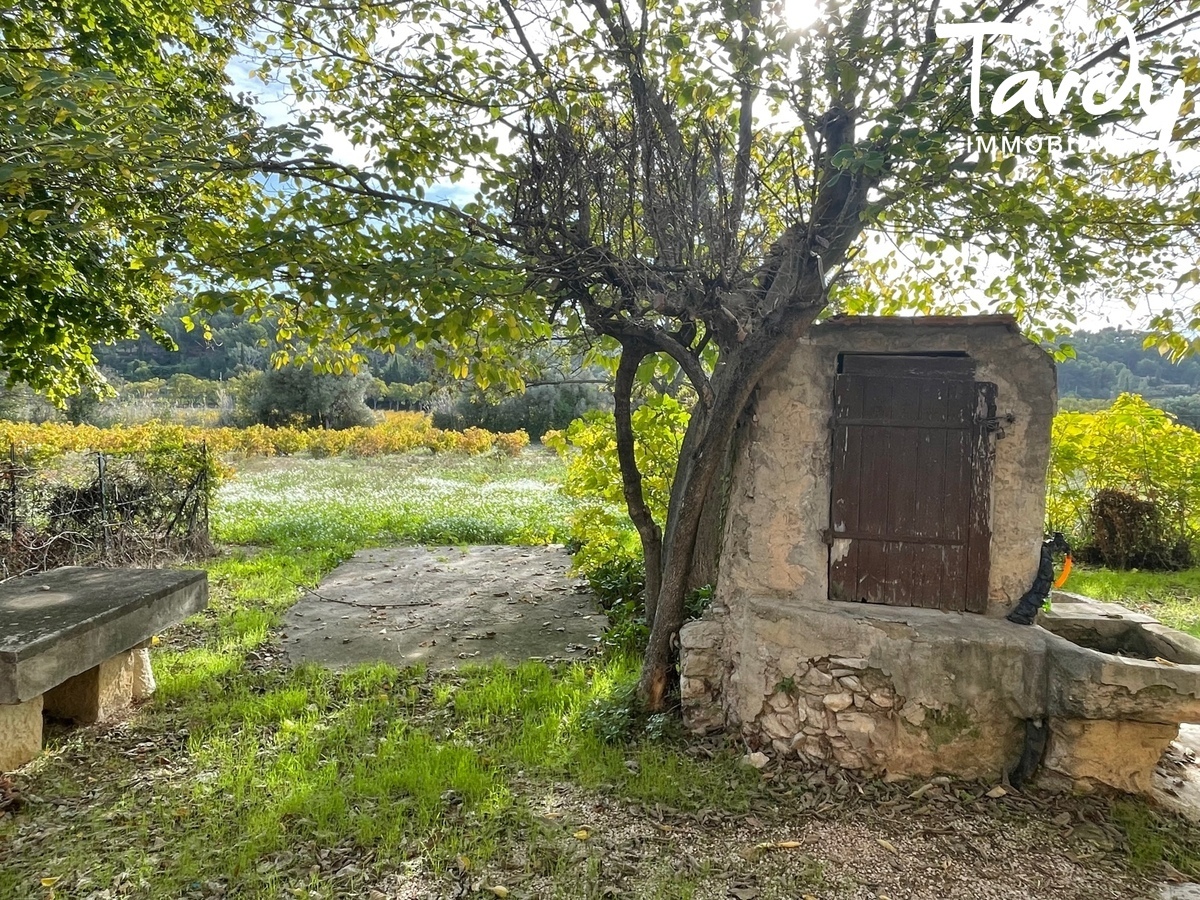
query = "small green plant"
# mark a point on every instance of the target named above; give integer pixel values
(697, 601)
(1153, 838)
(787, 685)
(627, 631)
(620, 578)
(612, 717)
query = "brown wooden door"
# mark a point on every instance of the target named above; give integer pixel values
(912, 464)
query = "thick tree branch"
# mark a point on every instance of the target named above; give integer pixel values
(632, 354)
(1146, 35)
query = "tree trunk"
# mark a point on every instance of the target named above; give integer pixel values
(706, 446)
(632, 354)
(707, 552)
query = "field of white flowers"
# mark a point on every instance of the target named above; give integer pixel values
(294, 502)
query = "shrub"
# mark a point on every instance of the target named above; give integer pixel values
(538, 410)
(476, 440)
(608, 551)
(298, 395)
(612, 717)
(1131, 533)
(1142, 456)
(513, 442)
(322, 443)
(593, 471)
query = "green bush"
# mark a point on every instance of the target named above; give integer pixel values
(608, 551)
(1134, 450)
(601, 528)
(1127, 532)
(294, 395)
(617, 717)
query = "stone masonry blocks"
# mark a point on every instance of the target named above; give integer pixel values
(701, 673)
(1117, 753)
(20, 733)
(143, 676)
(96, 694)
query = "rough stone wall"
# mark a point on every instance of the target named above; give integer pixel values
(779, 497)
(913, 691)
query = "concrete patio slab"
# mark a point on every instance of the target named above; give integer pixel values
(445, 607)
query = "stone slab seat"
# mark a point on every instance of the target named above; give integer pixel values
(72, 642)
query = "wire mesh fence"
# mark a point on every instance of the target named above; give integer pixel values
(136, 508)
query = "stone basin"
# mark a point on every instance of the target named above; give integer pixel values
(918, 691)
(1120, 684)
(1111, 628)
(1121, 665)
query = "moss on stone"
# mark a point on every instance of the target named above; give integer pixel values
(945, 726)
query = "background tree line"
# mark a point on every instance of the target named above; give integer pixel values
(222, 374)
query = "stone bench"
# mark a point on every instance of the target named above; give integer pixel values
(73, 644)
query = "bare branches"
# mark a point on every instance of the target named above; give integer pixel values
(929, 52)
(645, 93)
(534, 59)
(745, 138)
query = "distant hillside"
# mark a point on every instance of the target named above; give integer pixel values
(1107, 363)
(1112, 361)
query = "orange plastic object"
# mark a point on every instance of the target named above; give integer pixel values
(1062, 578)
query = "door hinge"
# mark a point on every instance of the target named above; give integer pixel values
(995, 424)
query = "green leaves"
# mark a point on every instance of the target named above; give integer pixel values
(109, 114)
(594, 473)
(1131, 447)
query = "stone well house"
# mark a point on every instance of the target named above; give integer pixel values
(886, 511)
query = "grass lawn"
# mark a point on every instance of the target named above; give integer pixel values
(1171, 597)
(246, 778)
(237, 762)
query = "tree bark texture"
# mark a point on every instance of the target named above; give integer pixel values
(632, 354)
(705, 446)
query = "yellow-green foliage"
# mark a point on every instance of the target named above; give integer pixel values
(601, 525)
(1131, 447)
(396, 432)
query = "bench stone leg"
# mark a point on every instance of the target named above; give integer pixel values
(143, 675)
(20, 733)
(96, 694)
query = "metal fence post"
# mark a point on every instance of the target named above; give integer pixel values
(204, 482)
(12, 488)
(12, 498)
(101, 465)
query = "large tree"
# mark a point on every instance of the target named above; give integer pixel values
(696, 182)
(113, 116)
(699, 181)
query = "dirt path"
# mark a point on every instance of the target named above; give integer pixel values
(445, 607)
(1177, 781)
(839, 846)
